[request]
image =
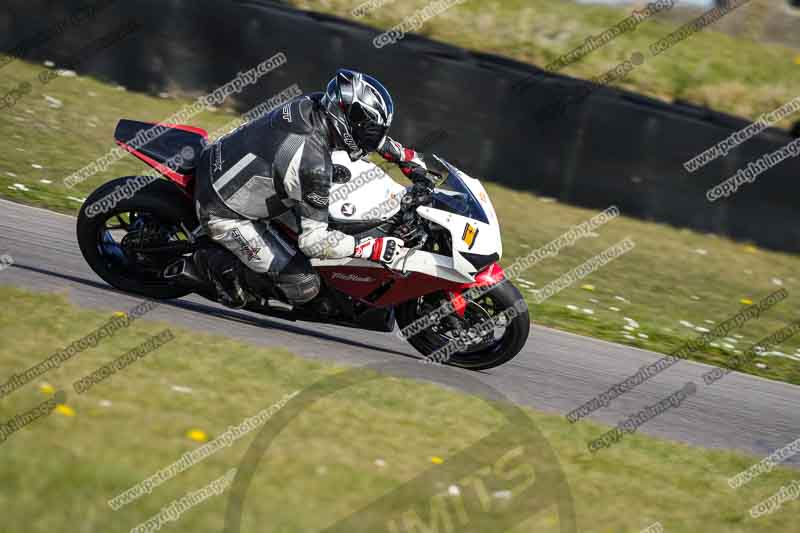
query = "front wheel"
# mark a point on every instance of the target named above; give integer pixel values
(493, 330)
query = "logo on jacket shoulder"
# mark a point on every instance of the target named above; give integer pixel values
(317, 199)
(287, 112)
(348, 209)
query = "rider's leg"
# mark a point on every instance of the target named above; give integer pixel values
(298, 281)
(218, 265)
(267, 254)
(275, 263)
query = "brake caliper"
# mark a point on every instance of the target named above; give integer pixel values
(458, 302)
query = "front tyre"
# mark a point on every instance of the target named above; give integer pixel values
(493, 330)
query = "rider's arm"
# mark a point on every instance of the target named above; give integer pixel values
(395, 152)
(315, 239)
(410, 162)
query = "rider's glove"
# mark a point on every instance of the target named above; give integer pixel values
(416, 173)
(392, 150)
(411, 162)
(381, 249)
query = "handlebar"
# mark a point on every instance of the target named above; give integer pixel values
(434, 173)
(418, 195)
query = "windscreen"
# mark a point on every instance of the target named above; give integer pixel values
(453, 195)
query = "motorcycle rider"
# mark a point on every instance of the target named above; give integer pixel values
(278, 168)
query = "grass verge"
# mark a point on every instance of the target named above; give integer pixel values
(337, 456)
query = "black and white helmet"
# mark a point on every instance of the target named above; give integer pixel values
(360, 110)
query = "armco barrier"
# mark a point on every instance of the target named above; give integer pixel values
(613, 147)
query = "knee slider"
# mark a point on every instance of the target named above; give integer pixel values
(299, 288)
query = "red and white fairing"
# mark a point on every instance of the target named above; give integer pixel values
(370, 194)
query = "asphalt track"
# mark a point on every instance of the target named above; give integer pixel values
(555, 372)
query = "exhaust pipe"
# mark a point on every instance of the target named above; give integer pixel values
(184, 272)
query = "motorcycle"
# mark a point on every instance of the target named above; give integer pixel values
(143, 241)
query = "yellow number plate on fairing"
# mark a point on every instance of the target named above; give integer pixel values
(470, 232)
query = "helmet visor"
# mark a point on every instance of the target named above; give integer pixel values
(361, 114)
(369, 135)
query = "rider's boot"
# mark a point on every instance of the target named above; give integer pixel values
(223, 270)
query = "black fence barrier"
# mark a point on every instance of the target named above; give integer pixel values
(606, 147)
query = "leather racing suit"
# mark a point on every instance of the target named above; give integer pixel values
(278, 168)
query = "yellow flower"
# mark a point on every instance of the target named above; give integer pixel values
(587, 287)
(746, 301)
(437, 460)
(119, 313)
(797, 60)
(197, 435)
(65, 410)
(750, 249)
(46, 388)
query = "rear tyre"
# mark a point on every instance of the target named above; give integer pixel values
(485, 352)
(159, 215)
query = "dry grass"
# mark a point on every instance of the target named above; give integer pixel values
(698, 69)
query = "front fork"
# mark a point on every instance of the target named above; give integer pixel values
(490, 276)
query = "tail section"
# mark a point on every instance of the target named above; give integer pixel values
(171, 149)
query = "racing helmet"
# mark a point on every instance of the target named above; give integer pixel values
(360, 110)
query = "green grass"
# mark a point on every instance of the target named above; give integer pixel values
(664, 279)
(735, 75)
(59, 472)
(64, 140)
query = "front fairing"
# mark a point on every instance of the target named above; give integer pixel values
(462, 206)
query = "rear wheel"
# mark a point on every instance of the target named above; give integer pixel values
(130, 245)
(493, 330)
